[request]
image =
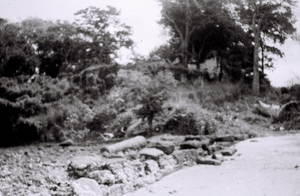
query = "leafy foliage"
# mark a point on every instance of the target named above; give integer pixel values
(58, 47)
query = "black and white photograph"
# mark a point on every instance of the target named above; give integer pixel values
(150, 98)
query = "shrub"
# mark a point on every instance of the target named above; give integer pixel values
(102, 119)
(295, 92)
(182, 122)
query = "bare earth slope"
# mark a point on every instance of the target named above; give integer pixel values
(262, 166)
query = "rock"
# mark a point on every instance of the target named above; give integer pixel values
(210, 150)
(241, 137)
(118, 171)
(66, 143)
(102, 176)
(151, 153)
(228, 152)
(132, 154)
(252, 135)
(179, 156)
(82, 162)
(208, 161)
(218, 156)
(224, 144)
(167, 147)
(176, 139)
(200, 152)
(115, 190)
(86, 187)
(133, 170)
(191, 144)
(193, 137)
(45, 193)
(151, 167)
(185, 156)
(167, 162)
(228, 138)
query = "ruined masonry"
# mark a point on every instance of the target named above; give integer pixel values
(131, 164)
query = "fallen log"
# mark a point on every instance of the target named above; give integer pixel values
(276, 112)
(132, 143)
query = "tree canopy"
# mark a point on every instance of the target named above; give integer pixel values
(60, 46)
(239, 31)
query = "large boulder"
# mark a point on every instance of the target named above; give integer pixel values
(86, 187)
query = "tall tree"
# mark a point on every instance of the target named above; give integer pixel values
(272, 19)
(17, 56)
(199, 27)
(104, 31)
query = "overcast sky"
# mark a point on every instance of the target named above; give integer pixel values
(142, 16)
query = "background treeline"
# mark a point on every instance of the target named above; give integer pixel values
(58, 47)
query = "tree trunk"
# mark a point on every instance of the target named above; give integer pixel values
(185, 43)
(255, 81)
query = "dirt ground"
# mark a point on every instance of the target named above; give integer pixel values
(267, 166)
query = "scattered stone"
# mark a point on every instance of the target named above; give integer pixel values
(167, 162)
(228, 152)
(167, 147)
(252, 135)
(118, 171)
(193, 137)
(45, 193)
(218, 156)
(191, 144)
(86, 187)
(208, 161)
(228, 138)
(201, 152)
(179, 156)
(133, 170)
(151, 167)
(210, 150)
(102, 176)
(82, 162)
(186, 156)
(241, 137)
(132, 154)
(67, 142)
(224, 144)
(151, 153)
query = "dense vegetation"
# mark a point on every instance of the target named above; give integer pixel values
(58, 80)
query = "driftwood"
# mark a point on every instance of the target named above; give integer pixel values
(135, 143)
(276, 112)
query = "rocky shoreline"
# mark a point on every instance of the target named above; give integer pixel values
(49, 169)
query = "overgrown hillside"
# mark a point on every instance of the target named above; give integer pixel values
(120, 102)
